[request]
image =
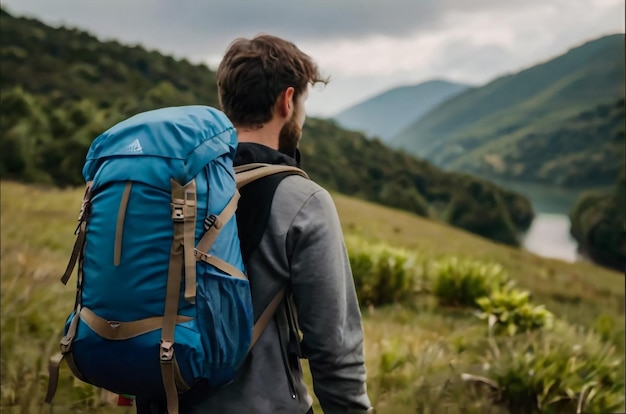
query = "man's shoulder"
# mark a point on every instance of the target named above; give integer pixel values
(299, 186)
(295, 193)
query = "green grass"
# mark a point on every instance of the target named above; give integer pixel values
(415, 351)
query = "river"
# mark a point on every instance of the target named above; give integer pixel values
(549, 233)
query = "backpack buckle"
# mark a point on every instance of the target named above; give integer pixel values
(167, 350)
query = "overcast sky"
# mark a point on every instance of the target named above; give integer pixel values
(366, 46)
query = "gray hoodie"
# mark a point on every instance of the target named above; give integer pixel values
(302, 246)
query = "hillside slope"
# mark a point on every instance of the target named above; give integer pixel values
(468, 131)
(388, 113)
(50, 117)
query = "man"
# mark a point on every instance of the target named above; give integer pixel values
(262, 89)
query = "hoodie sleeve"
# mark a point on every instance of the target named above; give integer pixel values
(327, 306)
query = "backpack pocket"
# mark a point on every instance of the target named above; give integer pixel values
(132, 365)
(224, 309)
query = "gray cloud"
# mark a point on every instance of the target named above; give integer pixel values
(458, 58)
(198, 28)
(201, 30)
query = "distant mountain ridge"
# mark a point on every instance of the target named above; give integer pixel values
(486, 124)
(388, 113)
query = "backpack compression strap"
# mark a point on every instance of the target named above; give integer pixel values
(184, 219)
(213, 224)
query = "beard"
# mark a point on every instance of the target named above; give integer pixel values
(289, 137)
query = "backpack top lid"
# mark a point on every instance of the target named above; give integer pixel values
(193, 135)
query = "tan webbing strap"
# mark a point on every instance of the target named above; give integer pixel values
(55, 360)
(227, 213)
(246, 174)
(66, 341)
(119, 227)
(118, 331)
(222, 265)
(174, 279)
(266, 316)
(178, 378)
(257, 165)
(80, 234)
(250, 166)
(189, 240)
(53, 376)
(78, 247)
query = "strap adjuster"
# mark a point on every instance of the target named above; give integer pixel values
(167, 351)
(200, 255)
(178, 212)
(210, 222)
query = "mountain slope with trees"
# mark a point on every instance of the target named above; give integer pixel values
(526, 125)
(59, 91)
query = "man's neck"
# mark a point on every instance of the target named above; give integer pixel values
(266, 135)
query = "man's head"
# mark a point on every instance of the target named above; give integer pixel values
(257, 76)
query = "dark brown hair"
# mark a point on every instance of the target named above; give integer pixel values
(253, 74)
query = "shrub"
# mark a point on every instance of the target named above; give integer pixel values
(459, 282)
(510, 311)
(382, 274)
(565, 369)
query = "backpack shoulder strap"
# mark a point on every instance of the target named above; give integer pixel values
(257, 184)
(245, 174)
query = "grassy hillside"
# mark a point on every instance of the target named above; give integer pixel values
(485, 125)
(60, 91)
(388, 113)
(416, 349)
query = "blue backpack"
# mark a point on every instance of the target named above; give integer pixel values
(162, 296)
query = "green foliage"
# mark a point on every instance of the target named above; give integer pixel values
(382, 274)
(43, 60)
(509, 311)
(566, 369)
(462, 282)
(598, 224)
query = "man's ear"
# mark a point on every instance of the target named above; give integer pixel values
(286, 103)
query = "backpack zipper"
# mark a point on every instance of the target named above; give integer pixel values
(119, 228)
(283, 349)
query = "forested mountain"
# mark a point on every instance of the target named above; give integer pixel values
(388, 113)
(541, 124)
(68, 65)
(598, 224)
(62, 87)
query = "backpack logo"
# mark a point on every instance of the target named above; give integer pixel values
(114, 324)
(134, 146)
